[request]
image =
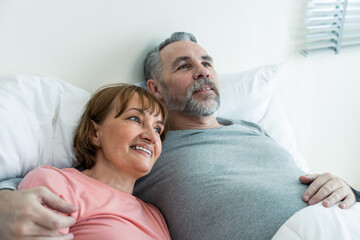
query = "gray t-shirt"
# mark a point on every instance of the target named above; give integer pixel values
(231, 182)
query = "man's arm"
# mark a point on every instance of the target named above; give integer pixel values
(329, 189)
(24, 216)
(10, 183)
(357, 194)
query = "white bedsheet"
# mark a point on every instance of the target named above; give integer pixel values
(318, 222)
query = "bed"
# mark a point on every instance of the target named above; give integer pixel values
(38, 114)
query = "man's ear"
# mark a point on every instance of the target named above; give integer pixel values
(155, 88)
(95, 134)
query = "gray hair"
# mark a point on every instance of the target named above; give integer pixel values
(152, 63)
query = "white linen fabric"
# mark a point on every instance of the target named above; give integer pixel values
(251, 96)
(318, 222)
(38, 115)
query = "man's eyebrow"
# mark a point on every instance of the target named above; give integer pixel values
(185, 58)
(207, 58)
(180, 59)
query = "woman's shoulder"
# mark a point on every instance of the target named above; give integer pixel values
(46, 170)
(150, 208)
(42, 176)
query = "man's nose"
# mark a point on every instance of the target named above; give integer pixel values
(201, 72)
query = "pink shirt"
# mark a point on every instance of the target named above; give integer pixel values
(104, 212)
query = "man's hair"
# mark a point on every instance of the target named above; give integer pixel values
(110, 97)
(152, 62)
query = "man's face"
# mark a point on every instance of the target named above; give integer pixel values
(189, 81)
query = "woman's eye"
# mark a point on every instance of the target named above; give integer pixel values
(135, 119)
(158, 130)
(206, 64)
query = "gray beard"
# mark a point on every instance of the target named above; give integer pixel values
(203, 107)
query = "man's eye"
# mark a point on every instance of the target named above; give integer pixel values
(185, 66)
(206, 64)
(135, 119)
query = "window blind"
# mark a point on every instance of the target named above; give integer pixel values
(332, 25)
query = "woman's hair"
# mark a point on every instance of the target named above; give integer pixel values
(101, 103)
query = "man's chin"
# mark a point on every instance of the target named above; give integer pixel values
(203, 108)
(207, 101)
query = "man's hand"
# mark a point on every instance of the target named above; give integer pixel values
(24, 216)
(327, 188)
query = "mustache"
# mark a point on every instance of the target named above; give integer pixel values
(203, 82)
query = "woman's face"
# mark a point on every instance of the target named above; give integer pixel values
(131, 142)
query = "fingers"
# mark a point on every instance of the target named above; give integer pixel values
(30, 229)
(59, 237)
(25, 216)
(349, 201)
(308, 178)
(46, 217)
(316, 184)
(35, 219)
(63, 237)
(56, 203)
(51, 220)
(329, 189)
(31, 218)
(336, 196)
(324, 189)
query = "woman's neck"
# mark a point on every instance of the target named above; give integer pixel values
(110, 176)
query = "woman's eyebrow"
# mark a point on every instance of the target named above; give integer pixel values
(135, 109)
(143, 113)
(160, 122)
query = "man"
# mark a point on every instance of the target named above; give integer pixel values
(201, 188)
(218, 179)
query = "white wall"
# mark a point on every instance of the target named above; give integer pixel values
(94, 42)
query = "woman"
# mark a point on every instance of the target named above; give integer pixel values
(117, 141)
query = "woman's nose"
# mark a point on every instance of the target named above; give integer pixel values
(148, 134)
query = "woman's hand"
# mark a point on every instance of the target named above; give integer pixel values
(24, 216)
(327, 188)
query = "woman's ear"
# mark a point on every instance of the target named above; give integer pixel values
(95, 134)
(155, 88)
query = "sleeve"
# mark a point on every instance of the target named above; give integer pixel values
(53, 179)
(11, 183)
(357, 194)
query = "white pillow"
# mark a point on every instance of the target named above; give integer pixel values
(321, 223)
(246, 95)
(38, 115)
(250, 96)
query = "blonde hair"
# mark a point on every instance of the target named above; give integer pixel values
(101, 103)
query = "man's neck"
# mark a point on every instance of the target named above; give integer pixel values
(180, 121)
